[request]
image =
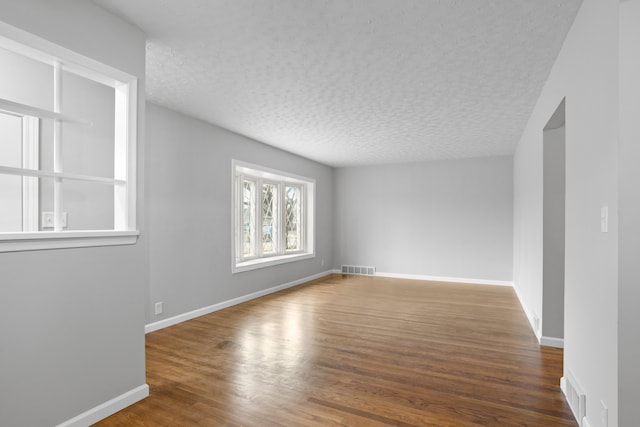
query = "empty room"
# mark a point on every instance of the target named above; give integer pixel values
(319, 212)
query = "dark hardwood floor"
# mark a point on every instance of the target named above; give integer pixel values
(355, 351)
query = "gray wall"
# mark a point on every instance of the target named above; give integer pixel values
(443, 218)
(629, 245)
(189, 201)
(72, 321)
(586, 74)
(553, 233)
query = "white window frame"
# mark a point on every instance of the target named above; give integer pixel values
(125, 148)
(260, 174)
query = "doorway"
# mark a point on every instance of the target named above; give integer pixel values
(553, 235)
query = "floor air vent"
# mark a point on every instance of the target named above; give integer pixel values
(359, 269)
(575, 397)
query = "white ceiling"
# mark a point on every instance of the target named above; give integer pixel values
(355, 82)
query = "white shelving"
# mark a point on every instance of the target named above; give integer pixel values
(20, 110)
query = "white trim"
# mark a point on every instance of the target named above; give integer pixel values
(108, 408)
(254, 264)
(23, 110)
(267, 173)
(40, 49)
(260, 174)
(443, 279)
(6, 170)
(30, 160)
(14, 242)
(530, 316)
(161, 324)
(57, 148)
(125, 142)
(551, 342)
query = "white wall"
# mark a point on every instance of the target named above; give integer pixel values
(72, 321)
(444, 218)
(586, 72)
(189, 200)
(629, 245)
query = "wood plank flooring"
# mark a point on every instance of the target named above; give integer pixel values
(355, 351)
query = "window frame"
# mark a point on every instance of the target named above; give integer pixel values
(264, 175)
(125, 87)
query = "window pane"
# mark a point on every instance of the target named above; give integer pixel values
(10, 203)
(248, 218)
(292, 219)
(10, 141)
(85, 205)
(88, 150)
(89, 205)
(19, 203)
(269, 198)
(25, 80)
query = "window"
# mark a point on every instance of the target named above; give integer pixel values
(68, 148)
(273, 217)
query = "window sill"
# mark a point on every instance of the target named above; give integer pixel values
(254, 264)
(16, 242)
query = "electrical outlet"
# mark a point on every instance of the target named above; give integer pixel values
(323, 263)
(158, 308)
(47, 220)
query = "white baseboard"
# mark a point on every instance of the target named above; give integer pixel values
(108, 408)
(529, 315)
(445, 279)
(563, 386)
(164, 323)
(542, 340)
(551, 342)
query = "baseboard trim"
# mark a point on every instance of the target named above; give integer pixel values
(527, 313)
(563, 386)
(165, 323)
(445, 279)
(551, 342)
(108, 408)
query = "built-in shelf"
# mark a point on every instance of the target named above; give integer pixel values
(17, 109)
(44, 174)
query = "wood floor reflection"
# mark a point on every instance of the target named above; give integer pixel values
(355, 351)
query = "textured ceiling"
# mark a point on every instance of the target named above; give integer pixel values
(355, 82)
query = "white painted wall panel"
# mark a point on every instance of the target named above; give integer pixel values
(72, 320)
(444, 218)
(629, 245)
(586, 72)
(189, 199)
